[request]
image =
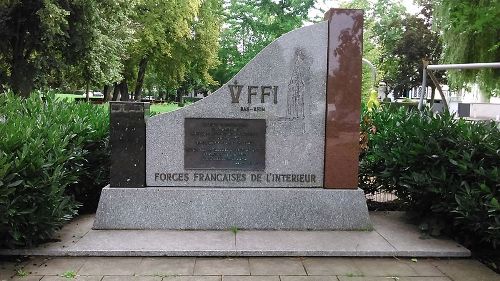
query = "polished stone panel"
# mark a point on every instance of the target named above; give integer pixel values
(345, 41)
(127, 138)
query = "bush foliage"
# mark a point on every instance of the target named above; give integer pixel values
(51, 156)
(444, 170)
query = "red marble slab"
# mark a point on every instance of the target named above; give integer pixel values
(345, 43)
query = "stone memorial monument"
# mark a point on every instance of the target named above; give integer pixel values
(274, 148)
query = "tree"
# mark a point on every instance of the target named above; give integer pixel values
(98, 32)
(398, 41)
(189, 69)
(371, 50)
(250, 25)
(470, 31)
(163, 30)
(22, 37)
(59, 43)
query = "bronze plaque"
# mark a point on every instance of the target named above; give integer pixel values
(225, 144)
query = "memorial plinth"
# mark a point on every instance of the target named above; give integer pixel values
(274, 148)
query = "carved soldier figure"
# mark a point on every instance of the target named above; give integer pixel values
(295, 97)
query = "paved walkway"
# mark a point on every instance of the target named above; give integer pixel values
(245, 269)
(391, 237)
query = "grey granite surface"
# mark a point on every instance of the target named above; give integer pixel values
(191, 208)
(296, 64)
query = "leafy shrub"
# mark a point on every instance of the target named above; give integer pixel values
(45, 148)
(444, 170)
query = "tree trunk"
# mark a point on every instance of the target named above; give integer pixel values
(178, 97)
(107, 93)
(160, 95)
(22, 71)
(87, 96)
(116, 92)
(140, 78)
(22, 75)
(124, 91)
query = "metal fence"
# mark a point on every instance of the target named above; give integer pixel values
(381, 196)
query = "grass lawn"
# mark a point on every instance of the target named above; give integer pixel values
(68, 97)
(157, 108)
(163, 107)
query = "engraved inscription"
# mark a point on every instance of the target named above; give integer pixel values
(235, 177)
(268, 94)
(233, 144)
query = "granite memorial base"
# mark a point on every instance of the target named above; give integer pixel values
(188, 208)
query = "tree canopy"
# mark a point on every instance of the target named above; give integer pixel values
(470, 30)
(71, 44)
(168, 46)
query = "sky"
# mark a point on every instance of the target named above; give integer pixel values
(326, 4)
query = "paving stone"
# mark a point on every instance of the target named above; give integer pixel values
(383, 267)
(309, 278)
(405, 237)
(26, 278)
(250, 278)
(166, 266)
(330, 266)
(430, 278)
(110, 266)
(466, 270)
(221, 266)
(276, 266)
(152, 242)
(55, 266)
(221, 243)
(192, 278)
(7, 270)
(339, 243)
(78, 278)
(423, 267)
(393, 278)
(132, 278)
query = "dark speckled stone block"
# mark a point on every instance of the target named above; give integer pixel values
(128, 143)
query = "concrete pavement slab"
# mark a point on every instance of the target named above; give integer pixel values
(466, 270)
(110, 266)
(276, 266)
(77, 278)
(383, 267)
(54, 266)
(394, 278)
(221, 266)
(192, 278)
(330, 266)
(154, 242)
(166, 266)
(8, 269)
(250, 278)
(392, 237)
(316, 243)
(309, 278)
(423, 267)
(26, 278)
(407, 239)
(429, 278)
(132, 278)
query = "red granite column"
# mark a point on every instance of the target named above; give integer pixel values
(345, 41)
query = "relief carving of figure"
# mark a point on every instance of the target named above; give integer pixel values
(296, 87)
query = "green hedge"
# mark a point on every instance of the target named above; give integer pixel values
(444, 170)
(52, 154)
